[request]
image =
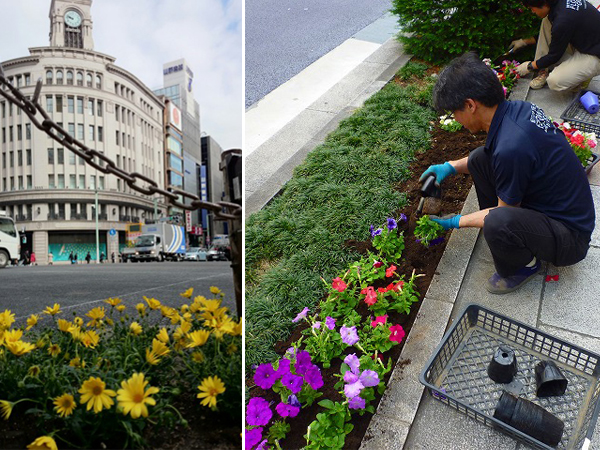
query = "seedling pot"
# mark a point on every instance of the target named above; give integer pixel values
(503, 366)
(529, 418)
(549, 379)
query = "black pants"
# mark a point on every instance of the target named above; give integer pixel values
(516, 235)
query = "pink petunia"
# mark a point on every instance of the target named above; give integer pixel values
(379, 320)
(339, 285)
(371, 295)
(397, 333)
(390, 271)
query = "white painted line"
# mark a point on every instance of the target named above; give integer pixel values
(280, 106)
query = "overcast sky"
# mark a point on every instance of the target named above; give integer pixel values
(143, 35)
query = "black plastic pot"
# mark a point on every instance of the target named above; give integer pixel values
(529, 418)
(549, 379)
(503, 366)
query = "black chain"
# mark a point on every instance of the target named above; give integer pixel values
(222, 210)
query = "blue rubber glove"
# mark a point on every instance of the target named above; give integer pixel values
(441, 171)
(448, 222)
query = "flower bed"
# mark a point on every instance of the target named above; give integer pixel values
(120, 377)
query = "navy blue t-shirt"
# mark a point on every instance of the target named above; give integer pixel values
(535, 165)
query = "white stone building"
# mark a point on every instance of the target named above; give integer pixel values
(49, 191)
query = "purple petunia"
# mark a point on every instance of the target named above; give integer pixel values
(265, 376)
(284, 367)
(391, 223)
(253, 437)
(317, 325)
(352, 361)
(292, 382)
(313, 377)
(301, 315)
(263, 445)
(350, 377)
(369, 378)
(291, 351)
(293, 400)
(356, 403)
(352, 390)
(287, 410)
(303, 362)
(403, 218)
(258, 412)
(436, 241)
(376, 232)
(349, 335)
(330, 322)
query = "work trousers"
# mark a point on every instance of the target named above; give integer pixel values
(572, 69)
(514, 234)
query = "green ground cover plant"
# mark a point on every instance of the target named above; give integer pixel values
(343, 186)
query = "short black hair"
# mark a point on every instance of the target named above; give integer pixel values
(538, 3)
(466, 77)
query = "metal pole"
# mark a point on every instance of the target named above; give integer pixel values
(155, 209)
(97, 230)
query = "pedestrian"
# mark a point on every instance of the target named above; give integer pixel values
(71, 257)
(32, 259)
(112, 257)
(75, 259)
(88, 257)
(534, 196)
(102, 258)
(26, 258)
(50, 258)
(568, 44)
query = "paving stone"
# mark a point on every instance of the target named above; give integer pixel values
(385, 434)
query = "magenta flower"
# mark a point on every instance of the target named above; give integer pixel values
(314, 378)
(353, 362)
(350, 377)
(397, 333)
(352, 390)
(339, 285)
(287, 410)
(265, 376)
(317, 325)
(356, 403)
(284, 367)
(258, 412)
(253, 437)
(369, 378)
(379, 320)
(292, 382)
(303, 362)
(349, 335)
(330, 322)
(377, 264)
(263, 445)
(301, 315)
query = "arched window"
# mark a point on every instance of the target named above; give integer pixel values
(69, 77)
(59, 77)
(98, 82)
(88, 79)
(79, 78)
(49, 77)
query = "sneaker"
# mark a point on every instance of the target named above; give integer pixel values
(499, 285)
(539, 81)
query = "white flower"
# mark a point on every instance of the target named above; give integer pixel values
(566, 126)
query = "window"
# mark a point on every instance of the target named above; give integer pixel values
(79, 78)
(3, 109)
(27, 79)
(49, 104)
(81, 182)
(61, 181)
(80, 131)
(29, 182)
(71, 130)
(28, 153)
(117, 136)
(27, 131)
(81, 163)
(72, 158)
(118, 184)
(91, 132)
(4, 161)
(59, 77)
(93, 182)
(20, 182)
(59, 103)
(50, 156)
(51, 181)
(20, 158)
(18, 78)
(175, 180)
(100, 134)
(88, 79)
(19, 133)
(176, 163)
(3, 134)
(11, 159)
(12, 183)
(10, 134)
(79, 105)
(4, 184)
(91, 107)
(48, 77)
(69, 77)
(118, 161)
(98, 82)
(71, 104)
(72, 182)
(101, 183)
(117, 113)
(99, 103)
(60, 155)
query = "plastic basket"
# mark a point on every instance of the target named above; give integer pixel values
(456, 374)
(578, 117)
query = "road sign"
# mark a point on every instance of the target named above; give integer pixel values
(112, 232)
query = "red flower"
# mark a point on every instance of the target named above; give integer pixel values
(382, 290)
(397, 333)
(390, 270)
(578, 140)
(379, 320)
(339, 285)
(371, 296)
(377, 264)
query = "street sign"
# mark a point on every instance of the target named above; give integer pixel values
(112, 232)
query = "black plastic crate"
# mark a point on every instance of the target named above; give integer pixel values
(578, 117)
(456, 374)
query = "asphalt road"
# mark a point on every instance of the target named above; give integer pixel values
(28, 290)
(283, 37)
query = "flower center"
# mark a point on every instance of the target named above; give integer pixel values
(97, 390)
(138, 398)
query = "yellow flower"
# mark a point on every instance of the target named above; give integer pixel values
(34, 371)
(197, 338)
(215, 290)
(64, 325)
(133, 396)
(90, 338)
(32, 320)
(43, 443)
(94, 393)
(7, 318)
(187, 317)
(12, 335)
(188, 293)
(19, 347)
(198, 356)
(141, 308)
(78, 321)
(135, 328)
(209, 389)
(76, 332)
(113, 301)
(65, 404)
(182, 330)
(109, 322)
(120, 308)
(163, 335)
(96, 314)
(171, 313)
(152, 303)
(77, 362)
(158, 349)
(54, 350)
(184, 308)
(237, 329)
(221, 326)
(40, 343)
(52, 311)
(5, 408)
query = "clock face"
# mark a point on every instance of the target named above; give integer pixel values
(72, 19)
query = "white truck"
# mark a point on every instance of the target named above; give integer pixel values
(159, 242)
(10, 244)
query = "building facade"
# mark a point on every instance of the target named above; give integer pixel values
(47, 189)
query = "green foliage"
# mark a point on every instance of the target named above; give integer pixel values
(449, 123)
(390, 243)
(331, 427)
(427, 230)
(439, 30)
(412, 69)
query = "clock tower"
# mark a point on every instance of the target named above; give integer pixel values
(71, 24)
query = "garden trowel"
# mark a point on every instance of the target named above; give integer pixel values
(431, 197)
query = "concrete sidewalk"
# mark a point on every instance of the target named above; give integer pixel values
(281, 134)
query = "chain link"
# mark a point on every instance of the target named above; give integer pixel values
(176, 197)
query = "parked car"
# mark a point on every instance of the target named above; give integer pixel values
(195, 254)
(218, 253)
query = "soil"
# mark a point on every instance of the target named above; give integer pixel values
(445, 146)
